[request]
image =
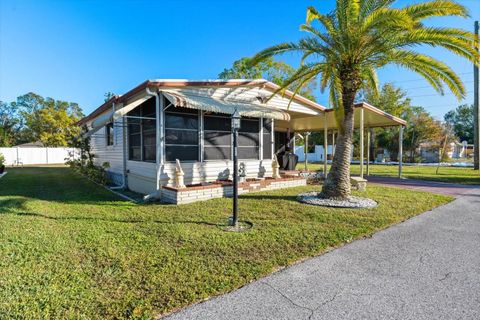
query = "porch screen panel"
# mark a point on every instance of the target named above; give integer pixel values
(149, 133)
(141, 132)
(181, 134)
(217, 138)
(267, 138)
(249, 139)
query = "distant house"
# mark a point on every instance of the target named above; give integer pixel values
(430, 151)
(143, 132)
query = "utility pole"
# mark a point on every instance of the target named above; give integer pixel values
(476, 147)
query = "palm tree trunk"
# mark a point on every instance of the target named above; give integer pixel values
(337, 184)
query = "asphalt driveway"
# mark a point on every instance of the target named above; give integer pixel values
(425, 268)
(449, 189)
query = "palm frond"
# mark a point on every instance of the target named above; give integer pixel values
(457, 41)
(384, 18)
(326, 21)
(434, 68)
(437, 8)
(273, 51)
(371, 79)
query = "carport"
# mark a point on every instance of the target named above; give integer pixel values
(366, 117)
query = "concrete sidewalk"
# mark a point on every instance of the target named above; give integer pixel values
(425, 268)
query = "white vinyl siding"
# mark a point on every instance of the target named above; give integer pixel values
(112, 154)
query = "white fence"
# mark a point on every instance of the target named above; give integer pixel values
(27, 156)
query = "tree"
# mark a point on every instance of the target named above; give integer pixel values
(357, 38)
(269, 69)
(9, 124)
(108, 95)
(421, 128)
(394, 101)
(462, 121)
(35, 118)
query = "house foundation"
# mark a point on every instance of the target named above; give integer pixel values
(219, 189)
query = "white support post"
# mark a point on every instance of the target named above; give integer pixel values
(368, 151)
(362, 144)
(159, 137)
(400, 151)
(272, 138)
(260, 140)
(325, 144)
(201, 137)
(306, 151)
(124, 151)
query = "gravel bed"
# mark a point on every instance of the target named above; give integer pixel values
(352, 202)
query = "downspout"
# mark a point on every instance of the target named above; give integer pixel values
(159, 146)
(124, 162)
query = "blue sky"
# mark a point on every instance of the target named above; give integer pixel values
(78, 50)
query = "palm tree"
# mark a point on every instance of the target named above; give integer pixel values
(357, 38)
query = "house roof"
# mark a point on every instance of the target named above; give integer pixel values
(181, 83)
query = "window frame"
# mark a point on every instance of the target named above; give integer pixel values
(223, 116)
(110, 134)
(167, 111)
(258, 132)
(138, 119)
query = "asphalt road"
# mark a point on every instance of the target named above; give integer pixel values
(425, 268)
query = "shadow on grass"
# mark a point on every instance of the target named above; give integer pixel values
(268, 197)
(59, 184)
(127, 221)
(12, 205)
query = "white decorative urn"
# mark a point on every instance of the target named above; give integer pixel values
(179, 175)
(275, 168)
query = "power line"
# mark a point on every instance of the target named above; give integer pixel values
(435, 95)
(427, 87)
(445, 105)
(419, 79)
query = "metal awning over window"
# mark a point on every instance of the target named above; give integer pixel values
(185, 99)
(197, 101)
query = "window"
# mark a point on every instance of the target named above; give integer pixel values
(109, 134)
(267, 138)
(217, 137)
(141, 125)
(249, 139)
(181, 134)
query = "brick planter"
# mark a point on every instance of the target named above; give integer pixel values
(219, 189)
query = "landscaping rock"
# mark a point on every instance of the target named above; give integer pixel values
(352, 202)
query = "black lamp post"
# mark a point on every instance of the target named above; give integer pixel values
(235, 127)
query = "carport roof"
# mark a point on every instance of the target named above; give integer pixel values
(373, 117)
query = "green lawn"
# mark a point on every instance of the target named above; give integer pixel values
(71, 249)
(445, 174)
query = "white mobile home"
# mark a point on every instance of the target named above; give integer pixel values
(143, 132)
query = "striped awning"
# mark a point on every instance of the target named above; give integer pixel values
(208, 103)
(195, 100)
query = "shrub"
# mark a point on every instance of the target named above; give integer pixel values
(85, 166)
(2, 160)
